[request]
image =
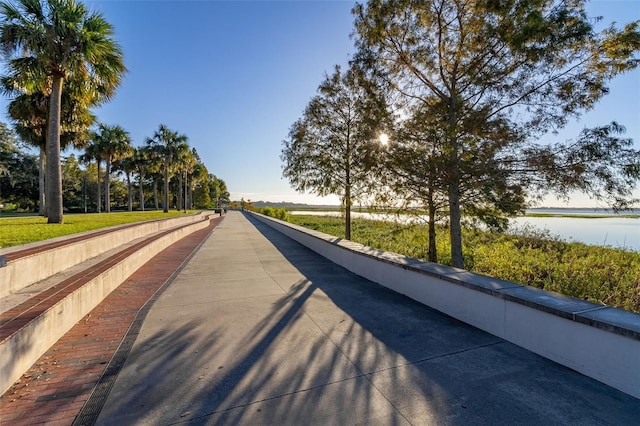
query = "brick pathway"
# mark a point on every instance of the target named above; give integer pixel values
(55, 388)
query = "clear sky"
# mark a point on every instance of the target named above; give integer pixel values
(234, 75)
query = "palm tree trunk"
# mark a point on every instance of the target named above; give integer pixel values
(54, 169)
(155, 192)
(186, 191)
(41, 190)
(180, 193)
(190, 195)
(130, 198)
(166, 189)
(107, 187)
(99, 202)
(84, 190)
(141, 195)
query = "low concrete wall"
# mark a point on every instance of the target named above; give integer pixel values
(598, 341)
(27, 270)
(22, 349)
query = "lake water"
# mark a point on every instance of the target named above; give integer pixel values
(613, 231)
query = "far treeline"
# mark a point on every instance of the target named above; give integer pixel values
(61, 60)
(111, 174)
(445, 103)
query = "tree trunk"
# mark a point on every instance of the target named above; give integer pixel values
(180, 193)
(54, 169)
(41, 189)
(130, 195)
(155, 192)
(166, 189)
(141, 195)
(186, 192)
(347, 212)
(433, 249)
(455, 227)
(347, 217)
(107, 187)
(190, 195)
(84, 191)
(347, 189)
(99, 202)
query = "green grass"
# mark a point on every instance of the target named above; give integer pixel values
(25, 229)
(599, 274)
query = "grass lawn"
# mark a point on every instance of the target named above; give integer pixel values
(16, 230)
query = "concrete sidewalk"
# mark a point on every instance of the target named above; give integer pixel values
(257, 329)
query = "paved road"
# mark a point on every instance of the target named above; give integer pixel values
(257, 329)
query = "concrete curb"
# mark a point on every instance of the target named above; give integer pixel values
(596, 340)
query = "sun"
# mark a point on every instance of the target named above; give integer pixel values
(384, 138)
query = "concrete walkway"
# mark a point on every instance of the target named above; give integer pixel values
(257, 329)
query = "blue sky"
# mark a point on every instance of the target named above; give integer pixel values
(234, 75)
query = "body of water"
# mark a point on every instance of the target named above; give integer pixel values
(616, 232)
(613, 230)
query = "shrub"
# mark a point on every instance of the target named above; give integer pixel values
(279, 213)
(9, 207)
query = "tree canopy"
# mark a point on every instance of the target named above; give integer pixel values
(333, 148)
(496, 75)
(50, 42)
(170, 146)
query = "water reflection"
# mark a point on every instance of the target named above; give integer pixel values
(616, 232)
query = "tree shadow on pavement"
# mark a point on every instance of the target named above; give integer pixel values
(338, 349)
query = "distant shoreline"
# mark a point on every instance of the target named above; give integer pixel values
(577, 212)
(593, 213)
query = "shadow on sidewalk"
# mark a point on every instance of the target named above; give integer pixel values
(405, 363)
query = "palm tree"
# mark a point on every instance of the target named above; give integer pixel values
(140, 160)
(200, 194)
(191, 167)
(93, 152)
(128, 165)
(169, 144)
(183, 166)
(29, 113)
(154, 167)
(60, 40)
(114, 143)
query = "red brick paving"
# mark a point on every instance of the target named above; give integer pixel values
(14, 319)
(55, 388)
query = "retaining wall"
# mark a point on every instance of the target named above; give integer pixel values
(23, 348)
(596, 340)
(27, 270)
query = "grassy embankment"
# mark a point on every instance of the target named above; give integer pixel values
(600, 274)
(18, 230)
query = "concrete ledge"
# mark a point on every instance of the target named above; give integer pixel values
(596, 340)
(27, 270)
(23, 348)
